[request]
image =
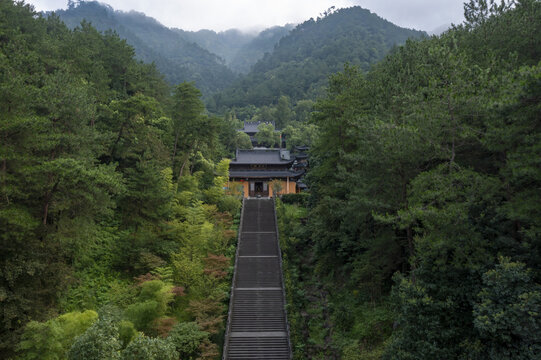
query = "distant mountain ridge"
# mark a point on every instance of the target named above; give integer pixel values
(301, 62)
(175, 57)
(282, 60)
(210, 59)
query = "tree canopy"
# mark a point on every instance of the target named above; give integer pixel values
(423, 177)
(108, 178)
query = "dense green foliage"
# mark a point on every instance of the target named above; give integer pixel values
(178, 58)
(145, 348)
(100, 341)
(425, 175)
(186, 338)
(301, 61)
(420, 238)
(294, 68)
(111, 193)
(328, 318)
(52, 339)
(267, 136)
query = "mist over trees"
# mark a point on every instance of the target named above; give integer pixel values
(208, 58)
(301, 62)
(177, 58)
(239, 50)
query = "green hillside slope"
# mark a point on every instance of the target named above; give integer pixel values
(301, 62)
(178, 59)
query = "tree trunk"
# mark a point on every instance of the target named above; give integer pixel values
(49, 193)
(4, 167)
(186, 158)
(46, 209)
(184, 162)
(453, 130)
(113, 149)
(47, 202)
(4, 175)
(409, 231)
(174, 150)
(516, 223)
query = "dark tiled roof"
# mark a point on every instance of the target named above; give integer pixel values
(266, 156)
(263, 174)
(251, 126)
(302, 185)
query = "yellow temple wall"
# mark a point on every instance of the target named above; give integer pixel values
(243, 187)
(285, 190)
(246, 185)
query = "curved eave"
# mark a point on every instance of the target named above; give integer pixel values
(264, 174)
(283, 162)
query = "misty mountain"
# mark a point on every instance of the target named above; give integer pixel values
(225, 44)
(262, 44)
(240, 50)
(176, 57)
(301, 62)
(281, 60)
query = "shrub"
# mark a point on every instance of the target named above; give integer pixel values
(151, 304)
(143, 314)
(126, 332)
(53, 339)
(507, 315)
(187, 337)
(100, 341)
(40, 341)
(146, 348)
(299, 198)
(229, 203)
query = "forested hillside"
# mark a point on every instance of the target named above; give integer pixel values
(239, 50)
(302, 61)
(115, 229)
(424, 221)
(208, 58)
(176, 57)
(420, 234)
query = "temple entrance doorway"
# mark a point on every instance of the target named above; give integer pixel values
(259, 188)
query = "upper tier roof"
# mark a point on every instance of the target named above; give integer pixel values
(263, 156)
(251, 126)
(264, 174)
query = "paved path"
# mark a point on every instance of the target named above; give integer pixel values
(257, 325)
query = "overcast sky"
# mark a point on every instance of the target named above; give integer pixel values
(258, 14)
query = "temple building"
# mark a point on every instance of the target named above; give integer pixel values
(264, 172)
